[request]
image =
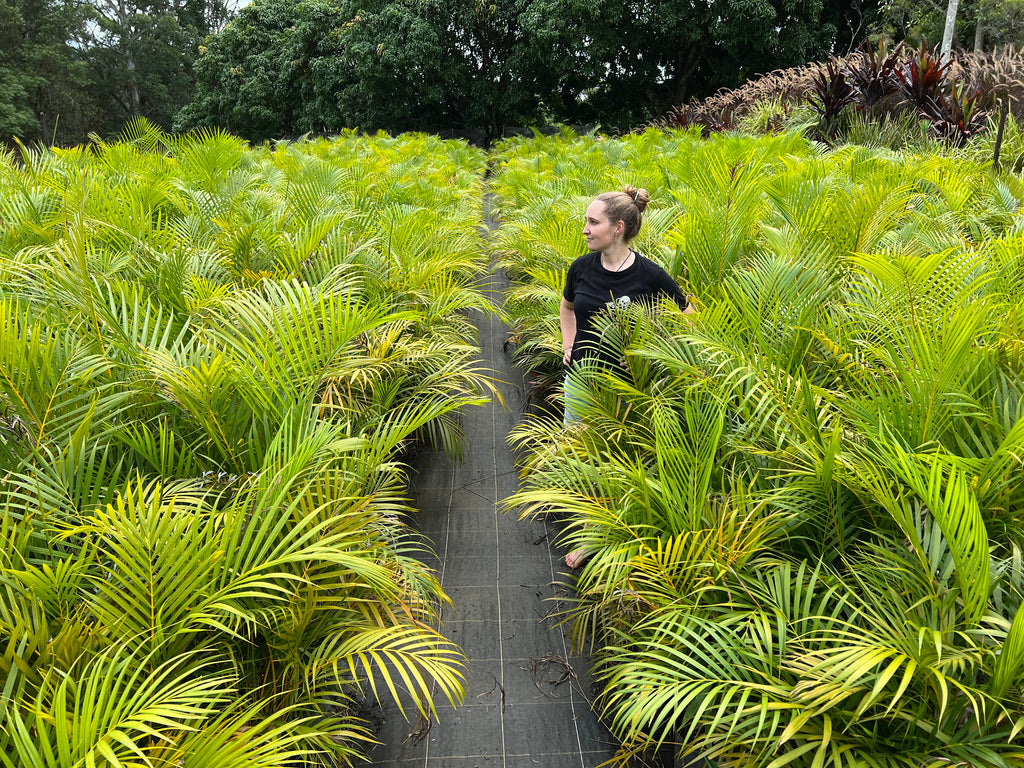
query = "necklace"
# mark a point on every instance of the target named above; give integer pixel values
(623, 262)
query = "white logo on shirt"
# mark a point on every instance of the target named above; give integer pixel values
(620, 303)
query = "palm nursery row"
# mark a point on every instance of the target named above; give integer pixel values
(213, 359)
(804, 508)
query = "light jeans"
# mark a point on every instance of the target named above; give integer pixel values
(573, 390)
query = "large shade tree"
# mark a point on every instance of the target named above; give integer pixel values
(647, 57)
(142, 54)
(68, 68)
(285, 67)
(252, 76)
(43, 72)
(449, 64)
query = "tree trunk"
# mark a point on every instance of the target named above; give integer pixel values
(686, 65)
(947, 35)
(133, 85)
(979, 33)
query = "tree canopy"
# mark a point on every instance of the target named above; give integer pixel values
(69, 68)
(42, 70)
(473, 67)
(979, 23)
(288, 67)
(659, 54)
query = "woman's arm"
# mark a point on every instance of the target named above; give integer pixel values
(567, 320)
(670, 287)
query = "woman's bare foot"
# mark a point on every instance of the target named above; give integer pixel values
(576, 558)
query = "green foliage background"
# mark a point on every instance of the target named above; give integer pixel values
(479, 67)
(288, 67)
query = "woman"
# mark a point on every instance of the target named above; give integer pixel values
(610, 275)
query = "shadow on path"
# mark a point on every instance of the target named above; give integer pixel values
(526, 699)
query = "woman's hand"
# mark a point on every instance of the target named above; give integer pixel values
(567, 323)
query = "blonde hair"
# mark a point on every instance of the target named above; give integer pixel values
(627, 206)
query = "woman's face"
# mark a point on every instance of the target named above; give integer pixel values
(598, 230)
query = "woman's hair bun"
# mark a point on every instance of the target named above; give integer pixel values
(627, 205)
(640, 197)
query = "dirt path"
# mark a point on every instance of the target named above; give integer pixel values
(525, 706)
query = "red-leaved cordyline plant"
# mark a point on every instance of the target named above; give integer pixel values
(922, 77)
(956, 98)
(830, 94)
(872, 71)
(958, 117)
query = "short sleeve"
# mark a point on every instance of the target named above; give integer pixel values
(571, 276)
(671, 288)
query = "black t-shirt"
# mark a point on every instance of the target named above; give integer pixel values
(591, 288)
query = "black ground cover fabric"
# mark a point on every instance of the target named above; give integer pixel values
(527, 698)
